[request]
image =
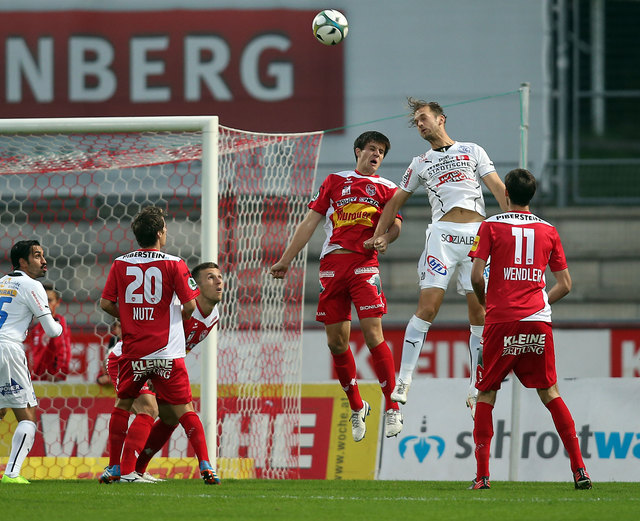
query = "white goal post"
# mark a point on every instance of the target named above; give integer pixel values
(265, 183)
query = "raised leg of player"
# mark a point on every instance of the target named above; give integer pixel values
(475, 353)
(383, 367)
(345, 366)
(414, 337)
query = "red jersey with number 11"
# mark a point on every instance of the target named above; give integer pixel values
(520, 245)
(149, 287)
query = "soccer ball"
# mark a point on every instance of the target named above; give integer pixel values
(330, 27)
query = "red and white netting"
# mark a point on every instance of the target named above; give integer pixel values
(77, 193)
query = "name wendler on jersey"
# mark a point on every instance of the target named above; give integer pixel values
(527, 274)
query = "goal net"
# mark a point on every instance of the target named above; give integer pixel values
(233, 197)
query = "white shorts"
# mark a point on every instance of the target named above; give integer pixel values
(16, 390)
(446, 250)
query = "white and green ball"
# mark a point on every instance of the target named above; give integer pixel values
(330, 27)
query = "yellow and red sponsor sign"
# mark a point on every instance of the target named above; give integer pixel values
(73, 429)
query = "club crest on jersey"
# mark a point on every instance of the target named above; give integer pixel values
(370, 189)
(436, 265)
(374, 280)
(346, 190)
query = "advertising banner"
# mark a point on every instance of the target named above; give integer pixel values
(255, 69)
(437, 440)
(73, 430)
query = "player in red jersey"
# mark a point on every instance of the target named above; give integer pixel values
(209, 279)
(151, 293)
(50, 356)
(517, 333)
(351, 202)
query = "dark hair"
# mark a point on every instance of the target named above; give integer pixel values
(22, 250)
(195, 272)
(371, 136)
(146, 225)
(521, 186)
(416, 104)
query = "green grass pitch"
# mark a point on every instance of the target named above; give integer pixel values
(266, 500)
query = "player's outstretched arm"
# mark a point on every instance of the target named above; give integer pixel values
(496, 186)
(300, 238)
(562, 286)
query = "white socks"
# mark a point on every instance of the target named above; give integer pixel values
(475, 349)
(414, 337)
(21, 444)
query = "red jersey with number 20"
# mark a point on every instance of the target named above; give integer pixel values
(520, 245)
(149, 287)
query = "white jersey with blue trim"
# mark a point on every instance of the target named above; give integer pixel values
(21, 299)
(451, 178)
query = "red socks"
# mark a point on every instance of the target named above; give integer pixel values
(118, 425)
(386, 373)
(566, 428)
(482, 434)
(345, 366)
(136, 438)
(195, 434)
(159, 435)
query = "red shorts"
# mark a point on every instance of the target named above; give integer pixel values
(347, 278)
(526, 348)
(112, 369)
(170, 379)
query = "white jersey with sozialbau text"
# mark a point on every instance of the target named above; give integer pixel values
(450, 178)
(21, 299)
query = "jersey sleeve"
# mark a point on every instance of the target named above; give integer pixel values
(110, 291)
(485, 165)
(185, 285)
(36, 300)
(481, 247)
(321, 201)
(410, 180)
(557, 259)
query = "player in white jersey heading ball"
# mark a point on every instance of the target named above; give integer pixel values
(22, 298)
(450, 172)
